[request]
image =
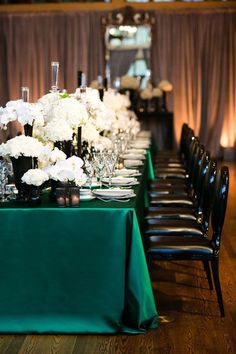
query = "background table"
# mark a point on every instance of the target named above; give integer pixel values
(75, 270)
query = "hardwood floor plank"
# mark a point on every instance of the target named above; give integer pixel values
(48, 344)
(15, 344)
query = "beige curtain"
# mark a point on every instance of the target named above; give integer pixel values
(30, 41)
(196, 51)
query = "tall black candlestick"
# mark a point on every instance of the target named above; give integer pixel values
(79, 132)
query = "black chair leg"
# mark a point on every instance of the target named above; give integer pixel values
(208, 273)
(215, 272)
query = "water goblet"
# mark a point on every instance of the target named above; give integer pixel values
(99, 164)
(110, 161)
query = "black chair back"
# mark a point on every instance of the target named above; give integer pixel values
(219, 206)
(205, 196)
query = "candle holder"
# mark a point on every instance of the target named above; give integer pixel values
(55, 72)
(25, 94)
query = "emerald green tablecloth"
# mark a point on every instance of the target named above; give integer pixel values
(75, 270)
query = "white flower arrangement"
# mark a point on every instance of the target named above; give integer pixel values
(102, 116)
(146, 94)
(57, 131)
(165, 86)
(129, 82)
(35, 177)
(157, 92)
(24, 112)
(115, 101)
(21, 146)
(94, 84)
(69, 170)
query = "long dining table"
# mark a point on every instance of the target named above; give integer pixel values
(76, 270)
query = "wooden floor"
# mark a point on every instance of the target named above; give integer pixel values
(181, 292)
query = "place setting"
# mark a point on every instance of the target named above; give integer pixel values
(114, 194)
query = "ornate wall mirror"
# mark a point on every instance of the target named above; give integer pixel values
(127, 34)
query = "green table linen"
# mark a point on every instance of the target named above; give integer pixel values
(75, 270)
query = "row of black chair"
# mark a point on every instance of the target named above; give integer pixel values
(188, 191)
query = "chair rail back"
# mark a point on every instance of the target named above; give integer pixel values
(219, 206)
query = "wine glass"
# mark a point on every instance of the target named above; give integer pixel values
(89, 170)
(99, 165)
(110, 162)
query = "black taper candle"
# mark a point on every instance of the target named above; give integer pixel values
(79, 78)
(79, 132)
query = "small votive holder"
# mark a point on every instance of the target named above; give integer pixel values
(74, 197)
(61, 197)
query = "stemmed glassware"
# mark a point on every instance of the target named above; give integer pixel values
(110, 162)
(89, 169)
(99, 165)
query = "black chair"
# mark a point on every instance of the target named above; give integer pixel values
(197, 248)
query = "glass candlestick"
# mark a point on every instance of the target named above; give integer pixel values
(100, 82)
(55, 71)
(25, 94)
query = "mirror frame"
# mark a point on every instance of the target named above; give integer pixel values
(126, 16)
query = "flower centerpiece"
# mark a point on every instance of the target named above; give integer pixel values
(23, 151)
(34, 178)
(69, 176)
(63, 115)
(24, 112)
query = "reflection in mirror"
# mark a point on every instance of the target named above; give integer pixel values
(128, 52)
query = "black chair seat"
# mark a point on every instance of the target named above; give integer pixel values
(163, 164)
(169, 190)
(171, 201)
(173, 175)
(182, 247)
(167, 182)
(171, 213)
(173, 228)
(175, 170)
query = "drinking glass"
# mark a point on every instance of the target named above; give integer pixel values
(110, 162)
(99, 165)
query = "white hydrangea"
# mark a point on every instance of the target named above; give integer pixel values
(69, 170)
(21, 146)
(146, 94)
(35, 177)
(157, 92)
(129, 82)
(57, 131)
(165, 86)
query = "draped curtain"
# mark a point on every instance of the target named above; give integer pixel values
(196, 51)
(30, 41)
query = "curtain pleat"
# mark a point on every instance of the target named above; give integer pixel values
(195, 50)
(30, 41)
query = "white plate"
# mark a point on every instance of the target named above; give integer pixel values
(133, 163)
(86, 197)
(95, 183)
(121, 181)
(113, 193)
(127, 172)
(84, 191)
(134, 157)
(136, 151)
(145, 134)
